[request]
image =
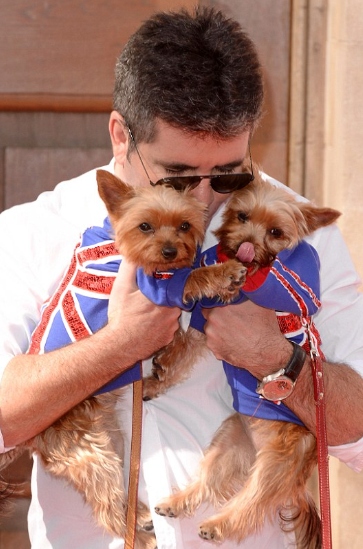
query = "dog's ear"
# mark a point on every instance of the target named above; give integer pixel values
(112, 190)
(318, 217)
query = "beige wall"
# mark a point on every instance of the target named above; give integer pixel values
(343, 189)
(343, 178)
(326, 163)
(326, 103)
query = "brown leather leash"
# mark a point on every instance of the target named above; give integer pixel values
(135, 453)
(322, 442)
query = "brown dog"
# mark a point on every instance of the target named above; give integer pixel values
(158, 229)
(254, 469)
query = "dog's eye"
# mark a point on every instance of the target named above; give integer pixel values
(146, 228)
(242, 217)
(277, 233)
(185, 227)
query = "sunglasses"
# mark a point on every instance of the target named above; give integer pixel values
(223, 184)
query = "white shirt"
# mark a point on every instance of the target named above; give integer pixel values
(37, 241)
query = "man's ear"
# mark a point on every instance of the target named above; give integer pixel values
(119, 137)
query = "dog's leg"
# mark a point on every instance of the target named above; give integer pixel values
(79, 448)
(276, 486)
(222, 471)
(173, 363)
(144, 535)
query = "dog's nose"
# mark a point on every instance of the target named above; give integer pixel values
(169, 252)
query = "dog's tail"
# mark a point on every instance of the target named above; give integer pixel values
(306, 523)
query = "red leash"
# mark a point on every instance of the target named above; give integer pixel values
(322, 443)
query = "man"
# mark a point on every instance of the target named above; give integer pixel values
(188, 93)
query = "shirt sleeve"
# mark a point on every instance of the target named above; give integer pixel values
(165, 288)
(340, 318)
(350, 454)
(27, 279)
(36, 243)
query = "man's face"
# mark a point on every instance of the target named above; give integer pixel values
(175, 153)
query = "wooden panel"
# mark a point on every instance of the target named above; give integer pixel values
(56, 130)
(31, 171)
(52, 53)
(55, 103)
(60, 56)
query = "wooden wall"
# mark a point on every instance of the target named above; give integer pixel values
(57, 61)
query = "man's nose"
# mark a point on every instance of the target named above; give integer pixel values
(203, 192)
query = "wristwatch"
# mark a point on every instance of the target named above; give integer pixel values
(280, 384)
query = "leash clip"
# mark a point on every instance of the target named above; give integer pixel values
(306, 322)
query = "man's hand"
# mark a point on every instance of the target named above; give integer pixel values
(143, 326)
(247, 336)
(38, 389)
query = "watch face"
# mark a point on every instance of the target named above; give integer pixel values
(278, 389)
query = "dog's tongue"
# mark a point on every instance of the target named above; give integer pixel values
(246, 252)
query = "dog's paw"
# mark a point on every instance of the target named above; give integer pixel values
(153, 383)
(144, 520)
(150, 388)
(236, 273)
(165, 510)
(147, 526)
(210, 532)
(233, 278)
(158, 370)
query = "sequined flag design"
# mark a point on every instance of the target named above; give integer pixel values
(79, 306)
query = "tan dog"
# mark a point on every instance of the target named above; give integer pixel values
(157, 229)
(254, 469)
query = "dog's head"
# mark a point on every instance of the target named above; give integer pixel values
(156, 228)
(262, 220)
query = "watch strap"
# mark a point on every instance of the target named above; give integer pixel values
(296, 362)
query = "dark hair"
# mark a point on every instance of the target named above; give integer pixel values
(199, 72)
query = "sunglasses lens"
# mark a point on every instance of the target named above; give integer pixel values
(231, 182)
(222, 184)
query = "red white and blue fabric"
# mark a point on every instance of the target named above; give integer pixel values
(79, 306)
(291, 286)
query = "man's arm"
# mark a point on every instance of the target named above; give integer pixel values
(36, 390)
(261, 349)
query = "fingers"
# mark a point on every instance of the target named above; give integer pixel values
(126, 276)
(123, 288)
